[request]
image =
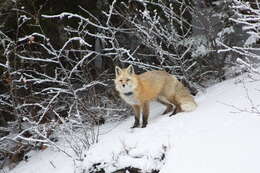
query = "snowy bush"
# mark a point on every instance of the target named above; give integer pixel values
(177, 36)
(246, 15)
(46, 85)
(247, 53)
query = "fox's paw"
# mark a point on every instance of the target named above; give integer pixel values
(168, 110)
(174, 112)
(144, 124)
(135, 125)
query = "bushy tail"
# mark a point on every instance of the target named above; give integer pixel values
(188, 106)
(185, 99)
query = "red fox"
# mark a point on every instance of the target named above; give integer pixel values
(139, 90)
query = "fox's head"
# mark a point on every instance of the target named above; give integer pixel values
(126, 81)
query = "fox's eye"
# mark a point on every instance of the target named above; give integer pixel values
(127, 80)
(121, 80)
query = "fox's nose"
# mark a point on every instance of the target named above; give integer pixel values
(123, 85)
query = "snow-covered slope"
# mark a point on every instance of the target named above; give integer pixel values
(215, 138)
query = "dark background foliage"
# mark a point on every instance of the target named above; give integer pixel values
(57, 58)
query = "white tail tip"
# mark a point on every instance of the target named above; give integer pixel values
(188, 107)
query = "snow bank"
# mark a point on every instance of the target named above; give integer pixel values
(220, 136)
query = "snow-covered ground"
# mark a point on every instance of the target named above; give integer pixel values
(216, 137)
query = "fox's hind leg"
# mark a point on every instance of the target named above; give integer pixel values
(176, 110)
(168, 104)
(177, 106)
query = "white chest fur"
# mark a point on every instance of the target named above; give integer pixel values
(130, 99)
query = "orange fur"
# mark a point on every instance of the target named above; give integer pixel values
(139, 90)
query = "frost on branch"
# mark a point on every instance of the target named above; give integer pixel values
(50, 90)
(246, 15)
(177, 36)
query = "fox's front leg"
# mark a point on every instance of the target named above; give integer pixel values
(137, 110)
(145, 114)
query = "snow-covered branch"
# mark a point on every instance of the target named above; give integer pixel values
(247, 15)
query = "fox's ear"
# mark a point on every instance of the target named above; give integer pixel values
(118, 70)
(130, 69)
